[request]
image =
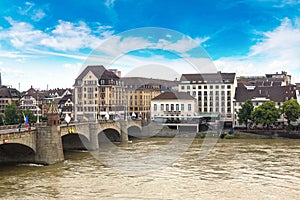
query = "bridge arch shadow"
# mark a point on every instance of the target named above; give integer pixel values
(16, 153)
(109, 135)
(134, 132)
(75, 141)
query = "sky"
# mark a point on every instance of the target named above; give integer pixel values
(45, 44)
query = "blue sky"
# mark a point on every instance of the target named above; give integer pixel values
(48, 42)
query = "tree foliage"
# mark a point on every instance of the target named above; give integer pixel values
(30, 115)
(291, 110)
(12, 114)
(245, 112)
(266, 114)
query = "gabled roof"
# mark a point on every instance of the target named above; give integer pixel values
(99, 71)
(274, 93)
(173, 95)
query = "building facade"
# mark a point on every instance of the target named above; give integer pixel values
(97, 92)
(214, 92)
(260, 94)
(173, 104)
(139, 92)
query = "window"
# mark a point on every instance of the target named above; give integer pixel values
(205, 86)
(189, 107)
(172, 107)
(217, 87)
(199, 87)
(177, 106)
(182, 107)
(211, 87)
(162, 107)
(228, 86)
(188, 87)
(182, 87)
(167, 107)
(155, 107)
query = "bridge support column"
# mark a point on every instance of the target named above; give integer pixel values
(124, 132)
(49, 145)
(93, 131)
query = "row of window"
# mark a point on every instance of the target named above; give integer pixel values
(194, 87)
(172, 107)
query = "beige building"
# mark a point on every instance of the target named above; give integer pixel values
(98, 94)
(140, 91)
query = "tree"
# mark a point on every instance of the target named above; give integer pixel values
(12, 114)
(291, 110)
(266, 114)
(30, 115)
(245, 112)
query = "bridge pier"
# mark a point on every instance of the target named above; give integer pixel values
(124, 132)
(49, 145)
(93, 132)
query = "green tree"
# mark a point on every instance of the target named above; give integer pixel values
(291, 110)
(245, 112)
(30, 115)
(266, 114)
(12, 114)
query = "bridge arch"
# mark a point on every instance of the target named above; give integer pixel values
(16, 153)
(75, 141)
(134, 131)
(109, 134)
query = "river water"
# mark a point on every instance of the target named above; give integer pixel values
(234, 169)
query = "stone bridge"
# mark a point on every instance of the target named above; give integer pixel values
(45, 144)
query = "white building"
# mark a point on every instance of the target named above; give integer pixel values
(214, 92)
(173, 104)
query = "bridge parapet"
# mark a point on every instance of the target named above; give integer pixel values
(23, 137)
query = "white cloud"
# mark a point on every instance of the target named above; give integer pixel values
(71, 36)
(38, 15)
(277, 51)
(21, 34)
(109, 3)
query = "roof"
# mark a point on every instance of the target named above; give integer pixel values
(173, 95)
(99, 71)
(274, 93)
(209, 77)
(9, 93)
(65, 99)
(141, 82)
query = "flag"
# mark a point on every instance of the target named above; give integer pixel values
(67, 118)
(85, 118)
(25, 120)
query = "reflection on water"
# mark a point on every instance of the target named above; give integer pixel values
(234, 169)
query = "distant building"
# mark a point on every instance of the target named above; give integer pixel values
(214, 92)
(173, 104)
(276, 79)
(65, 106)
(260, 94)
(34, 100)
(139, 92)
(8, 96)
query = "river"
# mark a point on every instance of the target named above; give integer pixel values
(234, 169)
